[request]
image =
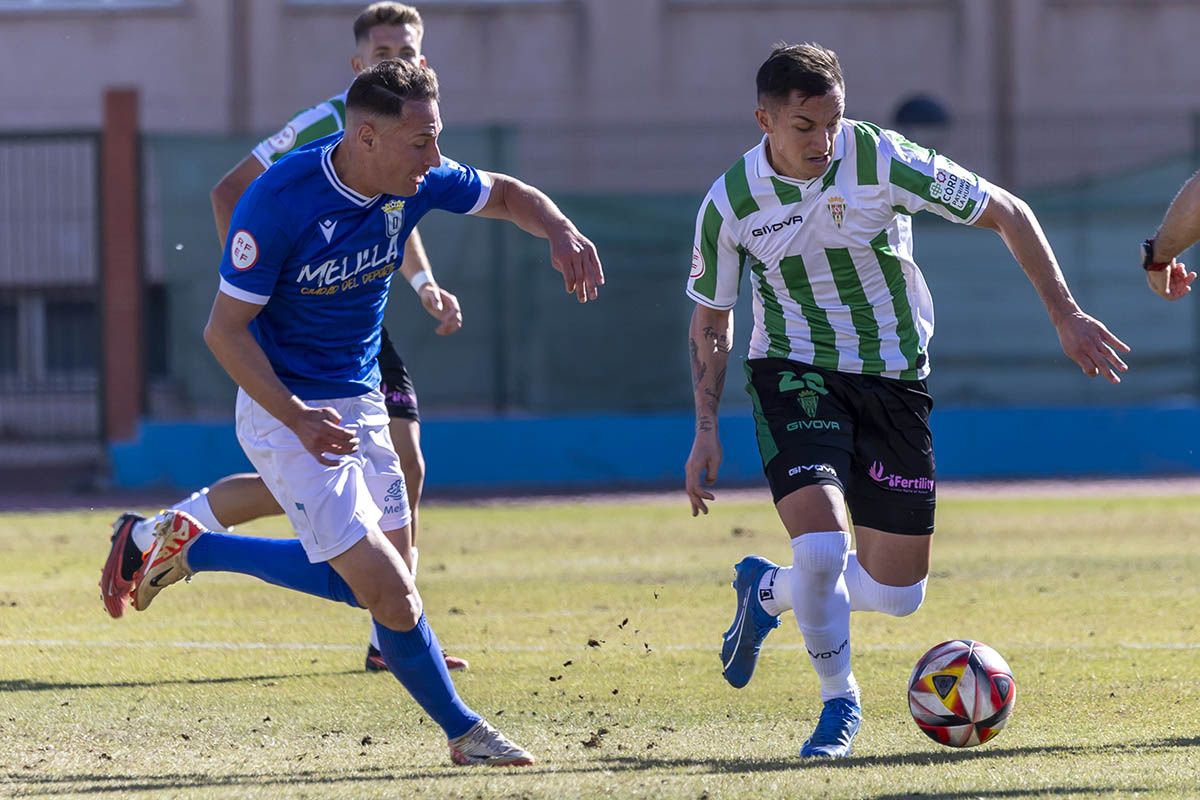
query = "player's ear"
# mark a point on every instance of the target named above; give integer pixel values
(366, 134)
(764, 119)
(357, 64)
(424, 62)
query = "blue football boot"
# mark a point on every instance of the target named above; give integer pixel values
(839, 722)
(751, 623)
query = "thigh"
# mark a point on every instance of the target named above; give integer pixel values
(330, 507)
(396, 384)
(374, 570)
(819, 507)
(893, 481)
(381, 466)
(406, 436)
(893, 559)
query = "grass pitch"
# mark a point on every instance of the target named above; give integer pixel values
(592, 632)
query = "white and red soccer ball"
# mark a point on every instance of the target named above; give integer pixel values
(961, 693)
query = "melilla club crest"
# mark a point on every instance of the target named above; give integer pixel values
(394, 214)
(837, 209)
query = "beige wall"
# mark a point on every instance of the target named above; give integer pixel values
(610, 91)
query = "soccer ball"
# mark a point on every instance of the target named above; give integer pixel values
(961, 693)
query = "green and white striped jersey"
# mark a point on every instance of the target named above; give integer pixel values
(830, 258)
(307, 126)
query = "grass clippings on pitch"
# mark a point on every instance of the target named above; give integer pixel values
(593, 634)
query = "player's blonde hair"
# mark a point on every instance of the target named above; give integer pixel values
(378, 14)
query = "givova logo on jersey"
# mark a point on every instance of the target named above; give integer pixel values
(394, 216)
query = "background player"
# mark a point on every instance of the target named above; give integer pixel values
(381, 31)
(819, 214)
(1180, 229)
(309, 413)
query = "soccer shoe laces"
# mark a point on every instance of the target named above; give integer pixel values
(484, 744)
(837, 723)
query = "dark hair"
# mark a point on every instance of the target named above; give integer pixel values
(384, 88)
(806, 68)
(386, 14)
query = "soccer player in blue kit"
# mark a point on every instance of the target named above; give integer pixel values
(314, 243)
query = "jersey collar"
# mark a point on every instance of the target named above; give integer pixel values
(358, 199)
(764, 170)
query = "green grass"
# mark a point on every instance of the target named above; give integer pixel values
(230, 688)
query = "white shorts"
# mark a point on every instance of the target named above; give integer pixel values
(330, 508)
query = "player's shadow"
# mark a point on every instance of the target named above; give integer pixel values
(924, 758)
(27, 685)
(126, 785)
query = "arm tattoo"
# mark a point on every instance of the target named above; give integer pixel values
(720, 341)
(710, 348)
(699, 368)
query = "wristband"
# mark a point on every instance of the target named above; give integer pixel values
(1148, 262)
(420, 279)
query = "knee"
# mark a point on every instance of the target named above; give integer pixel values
(821, 553)
(900, 601)
(398, 611)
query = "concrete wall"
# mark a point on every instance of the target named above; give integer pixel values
(619, 93)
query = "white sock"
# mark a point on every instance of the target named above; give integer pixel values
(415, 557)
(821, 605)
(868, 594)
(775, 591)
(143, 533)
(197, 505)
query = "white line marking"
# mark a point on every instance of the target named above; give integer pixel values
(538, 648)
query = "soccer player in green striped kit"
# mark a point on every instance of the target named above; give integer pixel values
(818, 214)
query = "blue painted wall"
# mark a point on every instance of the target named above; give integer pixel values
(631, 450)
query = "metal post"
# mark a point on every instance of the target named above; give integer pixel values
(121, 267)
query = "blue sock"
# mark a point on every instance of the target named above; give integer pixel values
(281, 562)
(415, 658)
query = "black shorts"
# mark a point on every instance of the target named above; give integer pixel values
(867, 435)
(398, 393)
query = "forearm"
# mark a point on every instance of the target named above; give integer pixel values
(710, 337)
(240, 355)
(529, 208)
(1025, 239)
(415, 258)
(222, 206)
(1180, 227)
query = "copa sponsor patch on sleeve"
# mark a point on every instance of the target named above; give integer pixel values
(283, 141)
(951, 185)
(243, 251)
(697, 263)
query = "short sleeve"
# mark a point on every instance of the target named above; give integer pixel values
(256, 249)
(716, 260)
(921, 180)
(307, 126)
(457, 188)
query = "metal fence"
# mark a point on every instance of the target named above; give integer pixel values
(526, 347)
(49, 289)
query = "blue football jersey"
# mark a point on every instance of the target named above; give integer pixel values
(319, 258)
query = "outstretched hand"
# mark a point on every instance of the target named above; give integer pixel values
(442, 306)
(318, 430)
(1171, 283)
(1092, 346)
(573, 254)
